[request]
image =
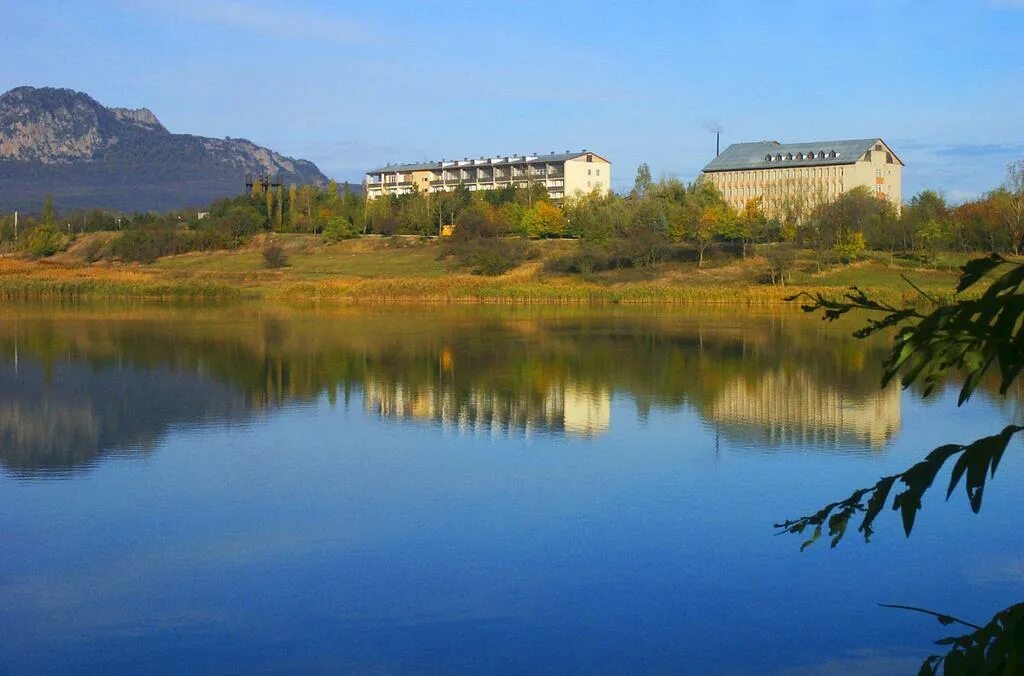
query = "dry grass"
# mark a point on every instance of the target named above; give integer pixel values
(379, 270)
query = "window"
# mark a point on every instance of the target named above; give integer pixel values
(590, 158)
(588, 174)
(778, 157)
(878, 146)
(832, 154)
(821, 154)
(598, 172)
(867, 156)
(799, 156)
(878, 173)
(768, 158)
(888, 158)
(789, 156)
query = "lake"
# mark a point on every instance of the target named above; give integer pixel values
(472, 490)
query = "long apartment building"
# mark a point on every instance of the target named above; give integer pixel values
(805, 174)
(563, 175)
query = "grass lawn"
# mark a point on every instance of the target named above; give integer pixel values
(411, 268)
(309, 260)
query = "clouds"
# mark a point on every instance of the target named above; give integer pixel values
(960, 171)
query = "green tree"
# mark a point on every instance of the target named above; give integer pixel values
(1010, 202)
(47, 216)
(293, 201)
(969, 336)
(279, 206)
(270, 209)
(642, 181)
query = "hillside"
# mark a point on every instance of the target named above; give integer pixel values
(65, 143)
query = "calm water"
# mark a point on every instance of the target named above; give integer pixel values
(470, 490)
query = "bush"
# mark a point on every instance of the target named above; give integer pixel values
(490, 256)
(589, 258)
(493, 257)
(780, 259)
(339, 228)
(145, 245)
(851, 247)
(44, 241)
(274, 256)
(96, 249)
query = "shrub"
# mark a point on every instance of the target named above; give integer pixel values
(145, 245)
(274, 256)
(96, 249)
(851, 247)
(339, 228)
(495, 256)
(780, 259)
(44, 241)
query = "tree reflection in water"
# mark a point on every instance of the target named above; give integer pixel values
(76, 384)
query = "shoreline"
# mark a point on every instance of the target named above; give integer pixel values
(455, 290)
(377, 273)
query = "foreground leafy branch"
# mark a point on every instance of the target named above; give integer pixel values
(968, 336)
(977, 462)
(996, 648)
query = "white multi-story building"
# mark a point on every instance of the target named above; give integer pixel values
(564, 175)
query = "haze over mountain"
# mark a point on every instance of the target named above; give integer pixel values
(65, 143)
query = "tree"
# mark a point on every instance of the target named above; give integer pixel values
(544, 219)
(926, 221)
(47, 216)
(279, 205)
(710, 222)
(643, 180)
(1011, 204)
(969, 336)
(270, 209)
(293, 201)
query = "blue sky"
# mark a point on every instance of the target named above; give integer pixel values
(354, 85)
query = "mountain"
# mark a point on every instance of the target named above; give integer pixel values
(65, 143)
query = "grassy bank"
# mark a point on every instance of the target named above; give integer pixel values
(411, 270)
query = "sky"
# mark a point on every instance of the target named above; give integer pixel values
(353, 85)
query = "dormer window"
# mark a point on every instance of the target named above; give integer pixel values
(799, 156)
(768, 158)
(789, 156)
(778, 157)
(832, 154)
(821, 154)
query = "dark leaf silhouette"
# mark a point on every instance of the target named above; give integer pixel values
(968, 337)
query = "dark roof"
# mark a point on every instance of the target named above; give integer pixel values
(754, 155)
(499, 161)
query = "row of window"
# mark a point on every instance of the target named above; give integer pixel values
(760, 176)
(810, 155)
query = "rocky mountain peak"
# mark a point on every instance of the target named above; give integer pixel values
(64, 142)
(141, 117)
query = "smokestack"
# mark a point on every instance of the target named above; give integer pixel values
(716, 129)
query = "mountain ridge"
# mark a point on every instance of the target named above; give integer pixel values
(65, 143)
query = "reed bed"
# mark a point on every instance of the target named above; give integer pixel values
(25, 280)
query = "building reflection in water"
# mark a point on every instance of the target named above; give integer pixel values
(564, 408)
(786, 407)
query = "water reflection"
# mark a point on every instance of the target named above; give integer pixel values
(77, 384)
(568, 408)
(782, 407)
